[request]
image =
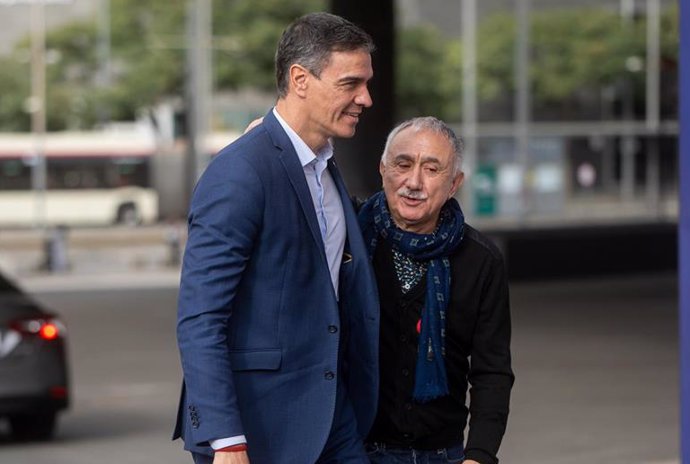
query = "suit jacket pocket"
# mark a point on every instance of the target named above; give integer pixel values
(256, 360)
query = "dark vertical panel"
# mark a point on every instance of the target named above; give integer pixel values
(684, 228)
(358, 157)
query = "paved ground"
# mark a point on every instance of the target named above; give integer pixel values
(596, 364)
(125, 380)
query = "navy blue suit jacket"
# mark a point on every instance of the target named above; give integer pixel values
(259, 326)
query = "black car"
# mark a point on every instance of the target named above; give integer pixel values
(33, 365)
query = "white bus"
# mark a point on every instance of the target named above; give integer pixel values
(91, 179)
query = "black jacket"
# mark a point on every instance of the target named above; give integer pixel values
(477, 350)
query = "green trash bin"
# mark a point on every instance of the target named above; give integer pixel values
(485, 190)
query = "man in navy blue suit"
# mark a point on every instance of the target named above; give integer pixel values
(278, 309)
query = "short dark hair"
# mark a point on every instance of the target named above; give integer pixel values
(309, 41)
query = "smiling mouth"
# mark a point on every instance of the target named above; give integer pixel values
(354, 116)
(412, 201)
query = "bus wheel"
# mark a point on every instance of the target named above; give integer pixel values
(128, 215)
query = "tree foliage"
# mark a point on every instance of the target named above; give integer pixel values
(147, 53)
(572, 51)
(428, 74)
(248, 32)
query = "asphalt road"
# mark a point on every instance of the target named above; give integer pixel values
(125, 377)
(596, 365)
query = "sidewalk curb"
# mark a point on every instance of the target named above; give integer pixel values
(56, 283)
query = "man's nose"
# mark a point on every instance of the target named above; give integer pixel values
(364, 98)
(414, 180)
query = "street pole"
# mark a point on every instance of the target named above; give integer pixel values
(628, 142)
(37, 107)
(469, 99)
(198, 88)
(104, 46)
(652, 104)
(523, 97)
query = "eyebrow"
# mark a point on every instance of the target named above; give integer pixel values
(348, 79)
(425, 159)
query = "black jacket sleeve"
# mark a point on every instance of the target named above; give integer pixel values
(491, 376)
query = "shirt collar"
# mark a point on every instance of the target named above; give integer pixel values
(304, 153)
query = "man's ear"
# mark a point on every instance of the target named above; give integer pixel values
(299, 79)
(457, 182)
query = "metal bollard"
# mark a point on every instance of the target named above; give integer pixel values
(56, 257)
(173, 239)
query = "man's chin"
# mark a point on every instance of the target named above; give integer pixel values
(411, 218)
(349, 129)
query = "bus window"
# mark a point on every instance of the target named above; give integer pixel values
(14, 175)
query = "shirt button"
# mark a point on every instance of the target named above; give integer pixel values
(332, 329)
(405, 372)
(329, 375)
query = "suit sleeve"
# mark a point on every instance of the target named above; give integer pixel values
(224, 222)
(491, 377)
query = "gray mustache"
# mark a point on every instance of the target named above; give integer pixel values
(412, 194)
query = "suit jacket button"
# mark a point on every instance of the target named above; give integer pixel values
(332, 329)
(329, 375)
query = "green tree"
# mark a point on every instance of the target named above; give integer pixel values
(247, 33)
(14, 89)
(573, 51)
(147, 55)
(428, 74)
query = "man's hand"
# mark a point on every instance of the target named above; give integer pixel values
(236, 457)
(469, 461)
(253, 124)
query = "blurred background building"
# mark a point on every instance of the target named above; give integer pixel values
(568, 110)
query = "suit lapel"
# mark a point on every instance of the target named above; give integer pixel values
(350, 215)
(295, 173)
(361, 275)
(354, 235)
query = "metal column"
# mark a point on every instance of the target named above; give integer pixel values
(469, 100)
(37, 107)
(523, 101)
(198, 88)
(652, 97)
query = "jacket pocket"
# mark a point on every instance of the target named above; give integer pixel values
(256, 360)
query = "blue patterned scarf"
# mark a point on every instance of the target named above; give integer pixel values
(375, 220)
